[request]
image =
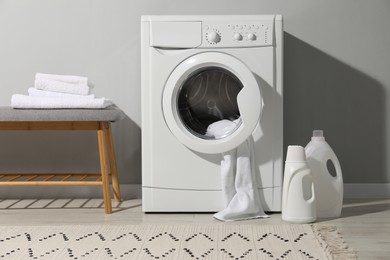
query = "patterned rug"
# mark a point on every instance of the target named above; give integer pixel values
(173, 242)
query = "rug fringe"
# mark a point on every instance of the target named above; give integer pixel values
(333, 243)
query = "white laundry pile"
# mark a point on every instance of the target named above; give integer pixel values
(240, 193)
(52, 91)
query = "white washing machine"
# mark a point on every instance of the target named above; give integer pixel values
(197, 70)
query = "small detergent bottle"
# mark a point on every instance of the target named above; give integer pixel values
(298, 201)
(329, 188)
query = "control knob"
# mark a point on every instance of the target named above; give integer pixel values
(237, 36)
(251, 36)
(213, 37)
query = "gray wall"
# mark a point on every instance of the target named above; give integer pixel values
(336, 72)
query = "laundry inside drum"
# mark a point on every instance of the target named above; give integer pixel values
(207, 103)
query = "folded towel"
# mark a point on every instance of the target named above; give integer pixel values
(33, 92)
(63, 78)
(23, 101)
(59, 86)
(238, 178)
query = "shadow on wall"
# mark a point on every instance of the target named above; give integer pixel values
(65, 152)
(127, 138)
(321, 92)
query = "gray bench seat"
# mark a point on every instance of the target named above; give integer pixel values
(110, 114)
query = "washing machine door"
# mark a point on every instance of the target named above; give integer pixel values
(211, 102)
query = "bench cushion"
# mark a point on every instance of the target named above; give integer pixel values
(110, 114)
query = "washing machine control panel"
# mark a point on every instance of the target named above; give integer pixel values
(220, 34)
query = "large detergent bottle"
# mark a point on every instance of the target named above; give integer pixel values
(298, 199)
(329, 188)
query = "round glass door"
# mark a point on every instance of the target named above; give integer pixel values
(211, 102)
(207, 103)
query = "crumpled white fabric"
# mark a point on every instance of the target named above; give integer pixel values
(222, 128)
(240, 193)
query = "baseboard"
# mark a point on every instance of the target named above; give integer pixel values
(366, 190)
(128, 191)
(132, 191)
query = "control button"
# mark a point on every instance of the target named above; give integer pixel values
(256, 27)
(213, 37)
(239, 27)
(237, 36)
(251, 36)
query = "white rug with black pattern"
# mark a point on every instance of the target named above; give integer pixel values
(218, 241)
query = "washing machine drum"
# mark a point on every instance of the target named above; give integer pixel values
(212, 102)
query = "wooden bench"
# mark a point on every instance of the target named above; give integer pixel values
(98, 120)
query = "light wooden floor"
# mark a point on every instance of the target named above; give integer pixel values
(364, 224)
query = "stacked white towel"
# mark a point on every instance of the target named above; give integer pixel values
(59, 91)
(63, 78)
(34, 92)
(62, 87)
(23, 101)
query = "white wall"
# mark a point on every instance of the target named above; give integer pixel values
(337, 62)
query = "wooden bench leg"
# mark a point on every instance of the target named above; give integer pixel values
(104, 168)
(114, 172)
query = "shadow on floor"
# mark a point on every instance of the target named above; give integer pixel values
(361, 207)
(64, 204)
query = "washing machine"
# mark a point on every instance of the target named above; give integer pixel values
(196, 71)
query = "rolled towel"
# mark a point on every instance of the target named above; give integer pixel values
(33, 92)
(63, 78)
(27, 102)
(58, 86)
